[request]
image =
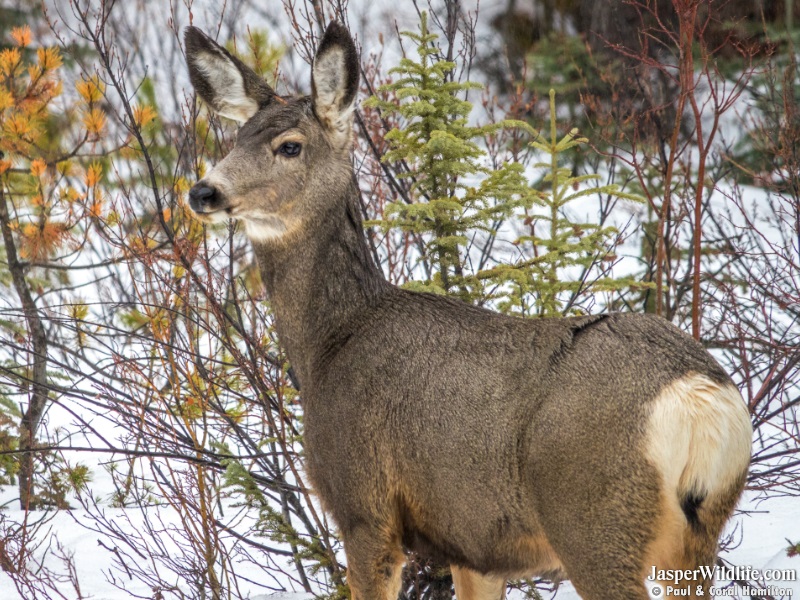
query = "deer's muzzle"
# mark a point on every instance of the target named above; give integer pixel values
(204, 198)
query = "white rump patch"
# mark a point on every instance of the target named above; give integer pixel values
(228, 85)
(699, 436)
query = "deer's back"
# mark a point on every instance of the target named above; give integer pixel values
(431, 406)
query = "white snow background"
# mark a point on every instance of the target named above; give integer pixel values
(761, 529)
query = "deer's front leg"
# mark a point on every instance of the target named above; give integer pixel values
(374, 562)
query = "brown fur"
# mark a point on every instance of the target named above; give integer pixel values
(503, 446)
(474, 586)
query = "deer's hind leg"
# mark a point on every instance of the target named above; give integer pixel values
(603, 569)
(374, 561)
(602, 536)
(604, 556)
(471, 585)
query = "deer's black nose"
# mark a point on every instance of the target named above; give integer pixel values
(202, 198)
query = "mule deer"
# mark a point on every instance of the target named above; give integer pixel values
(598, 446)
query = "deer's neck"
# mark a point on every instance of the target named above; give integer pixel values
(320, 283)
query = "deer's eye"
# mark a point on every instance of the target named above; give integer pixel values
(290, 148)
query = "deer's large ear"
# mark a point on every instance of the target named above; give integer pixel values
(224, 82)
(334, 82)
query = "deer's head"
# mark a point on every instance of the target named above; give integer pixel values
(290, 152)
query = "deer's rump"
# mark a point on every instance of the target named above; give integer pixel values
(483, 438)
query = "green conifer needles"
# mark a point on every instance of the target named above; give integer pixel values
(459, 202)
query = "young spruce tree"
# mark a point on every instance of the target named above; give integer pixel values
(459, 194)
(459, 198)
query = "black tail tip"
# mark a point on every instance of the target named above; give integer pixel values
(690, 504)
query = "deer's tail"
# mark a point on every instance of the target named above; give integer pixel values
(699, 438)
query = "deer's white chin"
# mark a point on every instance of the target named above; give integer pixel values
(219, 216)
(263, 230)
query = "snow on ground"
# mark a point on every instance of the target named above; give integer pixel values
(763, 531)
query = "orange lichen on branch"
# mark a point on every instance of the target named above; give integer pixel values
(42, 240)
(30, 140)
(9, 61)
(6, 98)
(94, 121)
(49, 58)
(42, 91)
(93, 174)
(70, 195)
(38, 167)
(96, 209)
(90, 90)
(21, 35)
(143, 114)
(20, 127)
(94, 198)
(26, 90)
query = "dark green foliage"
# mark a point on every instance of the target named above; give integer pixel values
(565, 64)
(9, 437)
(458, 200)
(768, 155)
(272, 523)
(456, 193)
